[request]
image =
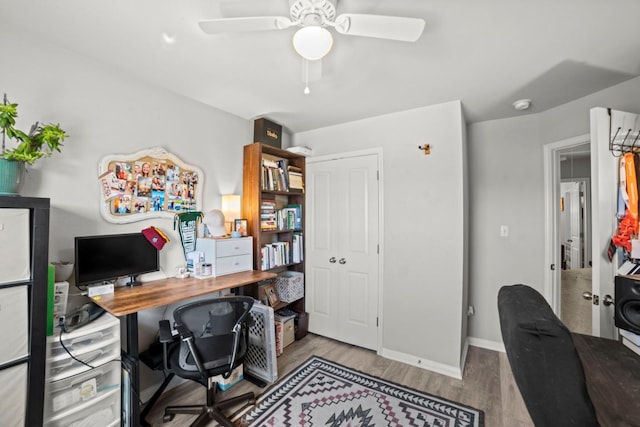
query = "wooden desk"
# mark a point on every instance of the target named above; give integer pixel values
(128, 301)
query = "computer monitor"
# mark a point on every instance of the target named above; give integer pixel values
(111, 256)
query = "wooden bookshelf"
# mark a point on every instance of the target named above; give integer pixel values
(266, 183)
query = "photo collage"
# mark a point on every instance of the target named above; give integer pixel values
(149, 185)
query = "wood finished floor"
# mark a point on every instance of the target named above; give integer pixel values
(487, 382)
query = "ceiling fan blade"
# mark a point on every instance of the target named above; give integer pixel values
(243, 25)
(380, 26)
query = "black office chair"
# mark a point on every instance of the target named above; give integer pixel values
(213, 341)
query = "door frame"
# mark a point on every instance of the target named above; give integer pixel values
(552, 217)
(378, 153)
(586, 240)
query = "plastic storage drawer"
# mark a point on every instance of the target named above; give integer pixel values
(71, 394)
(101, 411)
(95, 343)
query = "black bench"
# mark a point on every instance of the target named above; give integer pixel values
(566, 379)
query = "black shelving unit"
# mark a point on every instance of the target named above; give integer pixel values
(39, 209)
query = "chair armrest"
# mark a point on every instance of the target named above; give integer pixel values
(164, 331)
(184, 332)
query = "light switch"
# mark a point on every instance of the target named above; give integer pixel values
(504, 231)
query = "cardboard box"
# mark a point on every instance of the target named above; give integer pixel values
(286, 332)
(267, 132)
(226, 383)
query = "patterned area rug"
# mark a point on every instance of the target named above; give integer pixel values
(323, 393)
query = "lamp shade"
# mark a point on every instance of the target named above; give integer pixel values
(231, 206)
(312, 42)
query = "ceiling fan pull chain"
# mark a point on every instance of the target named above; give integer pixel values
(306, 77)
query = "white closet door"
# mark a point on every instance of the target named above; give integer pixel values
(342, 249)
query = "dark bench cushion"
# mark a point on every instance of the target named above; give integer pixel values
(544, 361)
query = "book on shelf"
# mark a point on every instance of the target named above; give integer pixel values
(297, 250)
(274, 255)
(275, 175)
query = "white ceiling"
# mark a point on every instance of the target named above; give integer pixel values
(486, 53)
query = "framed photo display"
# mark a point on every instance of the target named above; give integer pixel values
(241, 225)
(272, 294)
(147, 184)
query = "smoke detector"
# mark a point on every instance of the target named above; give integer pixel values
(522, 104)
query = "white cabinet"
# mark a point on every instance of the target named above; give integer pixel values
(227, 256)
(77, 393)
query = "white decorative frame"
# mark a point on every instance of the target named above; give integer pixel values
(170, 186)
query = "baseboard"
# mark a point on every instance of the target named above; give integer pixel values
(440, 368)
(489, 345)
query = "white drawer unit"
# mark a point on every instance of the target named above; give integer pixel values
(77, 395)
(14, 311)
(227, 256)
(14, 245)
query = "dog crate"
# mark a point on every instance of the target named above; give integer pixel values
(261, 359)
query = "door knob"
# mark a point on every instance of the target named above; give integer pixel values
(587, 295)
(607, 300)
(332, 260)
(342, 261)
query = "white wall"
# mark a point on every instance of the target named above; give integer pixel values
(506, 187)
(105, 113)
(424, 243)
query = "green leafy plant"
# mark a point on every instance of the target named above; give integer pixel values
(41, 141)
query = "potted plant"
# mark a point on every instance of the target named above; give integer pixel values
(41, 141)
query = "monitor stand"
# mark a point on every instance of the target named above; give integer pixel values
(133, 282)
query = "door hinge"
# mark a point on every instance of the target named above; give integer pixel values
(377, 321)
(378, 249)
(378, 175)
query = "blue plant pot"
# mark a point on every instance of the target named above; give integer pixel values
(11, 177)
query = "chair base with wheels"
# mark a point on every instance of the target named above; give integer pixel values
(211, 411)
(213, 341)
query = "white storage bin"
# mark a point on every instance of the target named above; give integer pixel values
(14, 245)
(102, 411)
(70, 394)
(14, 311)
(13, 395)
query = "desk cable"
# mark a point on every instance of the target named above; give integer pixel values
(64, 329)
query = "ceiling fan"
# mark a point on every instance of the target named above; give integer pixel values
(313, 41)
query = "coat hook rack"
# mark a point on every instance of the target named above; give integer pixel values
(426, 148)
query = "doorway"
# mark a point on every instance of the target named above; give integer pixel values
(568, 201)
(343, 247)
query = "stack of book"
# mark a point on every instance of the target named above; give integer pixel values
(268, 215)
(295, 178)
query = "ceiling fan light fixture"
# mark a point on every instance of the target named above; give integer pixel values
(312, 42)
